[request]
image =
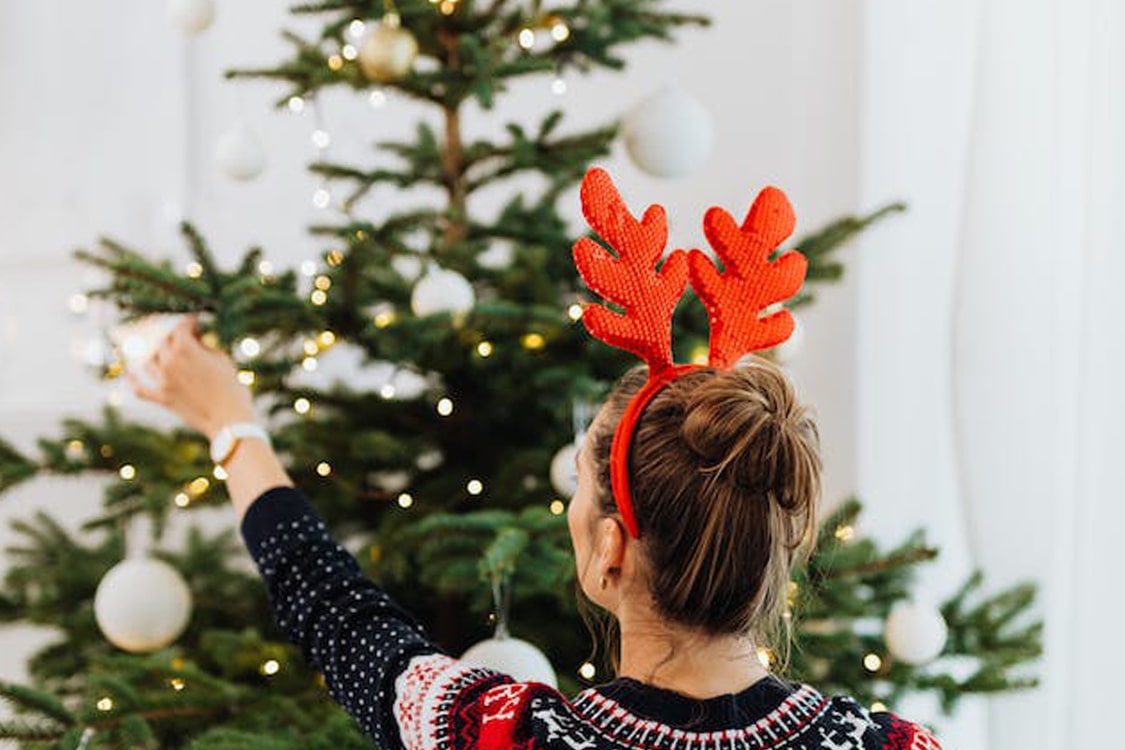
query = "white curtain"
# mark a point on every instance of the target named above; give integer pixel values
(992, 328)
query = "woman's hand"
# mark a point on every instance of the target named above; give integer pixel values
(198, 383)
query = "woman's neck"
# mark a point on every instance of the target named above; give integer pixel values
(695, 665)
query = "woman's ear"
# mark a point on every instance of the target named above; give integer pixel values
(611, 546)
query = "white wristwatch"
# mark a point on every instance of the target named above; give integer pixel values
(227, 439)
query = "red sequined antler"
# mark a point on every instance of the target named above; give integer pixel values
(631, 279)
(750, 281)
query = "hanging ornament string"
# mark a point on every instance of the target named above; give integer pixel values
(501, 601)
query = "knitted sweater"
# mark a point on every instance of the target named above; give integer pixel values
(406, 692)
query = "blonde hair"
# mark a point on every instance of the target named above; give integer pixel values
(725, 475)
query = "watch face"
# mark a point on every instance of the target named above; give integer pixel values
(221, 446)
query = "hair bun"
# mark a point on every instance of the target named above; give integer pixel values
(747, 428)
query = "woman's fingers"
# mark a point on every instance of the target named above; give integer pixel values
(156, 395)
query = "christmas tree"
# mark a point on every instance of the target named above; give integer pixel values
(441, 457)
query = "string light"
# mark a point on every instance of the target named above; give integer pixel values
(75, 450)
(474, 487)
(194, 270)
(484, 349)
(700, 354)
(587, 671)
(198, 486)
(533, 341)
(324, 468)
(560, 32)
(270, 667)
(405, 500)
(318, 297)
(574, 312)
(182, 500)
(246, 377)
(311, 349)
(302, 405)
(323, 282)
(335, 62)
(335, 258)
(177, 684)
(872, 662)
(387, 391)
(128, 471)
(844, 532)
(384, 318)
(558, 507)
(309, 364)
(78, 303)
(250, 347)
(265, 268)
(106, 451)
(878, 706)
(527, 38)
(357, 28)
(105, 703)
(296, 104)
(220, 473)
(325, 339)
(445, 406)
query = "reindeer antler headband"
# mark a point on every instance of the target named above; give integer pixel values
(735, 298)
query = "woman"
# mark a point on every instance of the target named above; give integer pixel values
(725, 477)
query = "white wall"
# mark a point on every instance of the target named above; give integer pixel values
(110, 119)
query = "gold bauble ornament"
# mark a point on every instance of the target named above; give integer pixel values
(388, 51)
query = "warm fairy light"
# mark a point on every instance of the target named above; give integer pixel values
(194, 270)
(246, 377)
(270, 667)
(302, 405)
(560, 32)
(320, 138)
(700, 354)
(105, 703)
(335, 62)
(558, 86)
(75, 450)
(845, 532)
(265, 268)
(872, 662)
(181, 500)
(199, 485)
(357, 28)
(574, 312)
(387, 390)
(405, 500)
(308, 268)
(484, 349)
(527, 38)
(335, 258)
(318, 297)
(558, 507)
(448, 7)
(349, 52)
(533, 341)
(296, 104)
(878, 706)
(474, 487)
(587, 671)
(384, 318)
(250, 347)
(220, 473)
(177, 684)
(377, 98)
(324, 468)
(445, 406)
(128, 471)
(321, 198)
(106, 451)
(309, 364)
(78, 303)
(325, 339)
(323, 282)
(311, 349)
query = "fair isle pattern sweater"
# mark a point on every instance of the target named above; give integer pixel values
(405, 692)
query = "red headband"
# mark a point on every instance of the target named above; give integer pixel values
(736, 298)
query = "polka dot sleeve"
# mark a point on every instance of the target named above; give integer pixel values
(346, 626)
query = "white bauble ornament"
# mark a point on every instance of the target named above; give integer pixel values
(512, 656)
(387, 52)
(669, 133)
(564, 473)
(497, 257)
(442, 291)
(192, 16)
(240, 153)
(142, 604)
(915, 632)
(407, 266)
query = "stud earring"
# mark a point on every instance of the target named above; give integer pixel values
(603, 582)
